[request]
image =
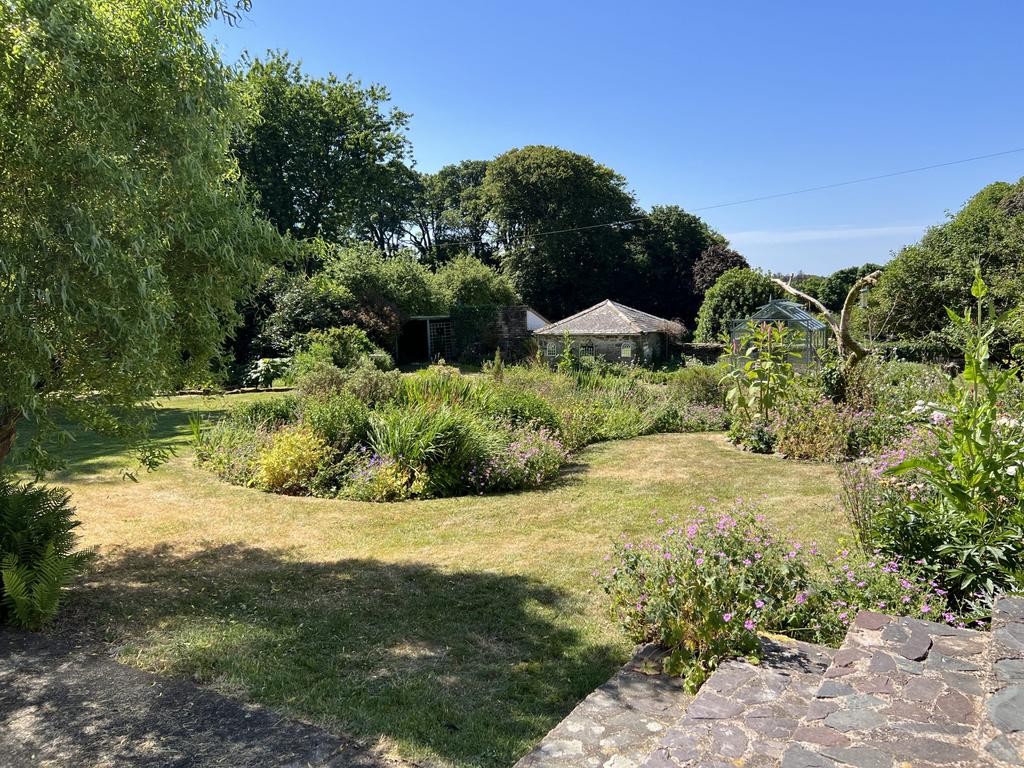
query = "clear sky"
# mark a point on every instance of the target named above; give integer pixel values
(699, 104)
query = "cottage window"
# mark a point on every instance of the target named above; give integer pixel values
(587, 349)
(626, 350)
(552, 349)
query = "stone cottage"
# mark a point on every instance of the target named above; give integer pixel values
(611, 331)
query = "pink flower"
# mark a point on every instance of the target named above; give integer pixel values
(749, 625)
(727, 617)
(926, 608)
(759, 603)
(801, 598)
(699, 561)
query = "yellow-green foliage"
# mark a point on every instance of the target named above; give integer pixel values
(292, 459)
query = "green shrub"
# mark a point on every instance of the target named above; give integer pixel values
(266, 413)
(698, 384)
(230, 450)
(321, 380)
(339, 419)
(291, 460)
(372, 386)
(436, 445)
(582, 424)
(520, 408)
(704, 589)
(344, 347)
(37, 551)
(266, 370)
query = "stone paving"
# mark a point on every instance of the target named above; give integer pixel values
(617, 725)
(900, 693)
(745, 714)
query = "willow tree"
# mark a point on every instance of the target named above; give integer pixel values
(126, 236)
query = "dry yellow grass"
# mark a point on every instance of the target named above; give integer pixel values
(457, 631)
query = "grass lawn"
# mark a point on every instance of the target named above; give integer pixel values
(455, 631)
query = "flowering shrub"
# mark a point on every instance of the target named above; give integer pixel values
(691, 417)
(808, 426)
(231, 451)
(532, 457)
(379, 478)
(704, 588)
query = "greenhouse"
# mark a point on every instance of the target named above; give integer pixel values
(806, 333)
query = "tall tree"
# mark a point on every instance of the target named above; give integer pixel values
(734, 296)
(938, 271)
(325, 154)
(667, 248)
(449, 216)
(714, 262)
(551, 209)
(127, 236)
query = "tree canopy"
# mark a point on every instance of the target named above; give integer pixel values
(128, 235)
(326, 155)
(734, 296)
(534, 193)
(937, 272)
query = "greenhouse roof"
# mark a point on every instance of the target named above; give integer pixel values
(790, 311)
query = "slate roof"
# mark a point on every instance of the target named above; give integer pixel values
(612, 319)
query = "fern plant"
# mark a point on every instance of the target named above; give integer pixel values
(37, 551)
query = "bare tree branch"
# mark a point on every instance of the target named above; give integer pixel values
(850, 349)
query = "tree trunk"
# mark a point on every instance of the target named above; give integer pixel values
(8, 425)
(850, 350)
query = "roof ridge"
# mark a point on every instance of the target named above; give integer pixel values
(629, 321)
(581, 313)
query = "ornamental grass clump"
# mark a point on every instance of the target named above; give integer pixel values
(704, 588)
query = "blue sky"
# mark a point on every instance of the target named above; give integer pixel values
(699, 104)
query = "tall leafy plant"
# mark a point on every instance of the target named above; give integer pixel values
(974, 475)
(763, 372)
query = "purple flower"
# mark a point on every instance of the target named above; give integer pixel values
(699, 561)
(726, 617)
(749, 625)
(801, 598)
(759, 604)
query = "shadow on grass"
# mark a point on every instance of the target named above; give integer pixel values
(472, 667)
(90, 453)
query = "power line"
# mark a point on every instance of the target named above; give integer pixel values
(775, 196)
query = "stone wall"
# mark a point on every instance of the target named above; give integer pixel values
(643, 347)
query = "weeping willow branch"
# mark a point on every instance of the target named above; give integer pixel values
(850, 349)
